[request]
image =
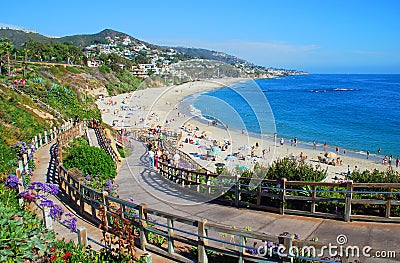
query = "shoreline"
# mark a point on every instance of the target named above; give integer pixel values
(162, 106)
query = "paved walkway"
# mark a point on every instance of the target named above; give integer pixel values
(136, 180)
(92, 138)
(46, 172)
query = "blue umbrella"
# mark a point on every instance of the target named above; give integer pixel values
(242, 167)
(216, 149)
(230, 158)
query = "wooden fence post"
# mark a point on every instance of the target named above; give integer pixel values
(46, 139)
(36, 142)
(286, 241)
(82, 236)
(104, 201)
(81, 199)
(282, 196)
(313, 196)
(242, 242)
(349, 197)
(142, 227)
(171, 246)
(48, 221)
(388, 202)
(202, 242)
(40, 140)
(18, 172)
(208, 183)
(237, 191)
(25, 158)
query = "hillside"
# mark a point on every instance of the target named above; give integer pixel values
(109, 42)
(19, 37)
(210, 55)
(85, 40)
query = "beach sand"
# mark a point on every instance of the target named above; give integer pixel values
(161, 106)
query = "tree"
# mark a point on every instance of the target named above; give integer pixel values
(5, 48)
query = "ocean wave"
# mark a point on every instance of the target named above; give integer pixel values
(332, 90)
(199, 114)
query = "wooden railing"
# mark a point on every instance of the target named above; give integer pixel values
(105, 143)
(183, 156)
(338, 200)
(167, 144)
(103, 209)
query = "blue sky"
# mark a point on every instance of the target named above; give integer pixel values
(322, 36)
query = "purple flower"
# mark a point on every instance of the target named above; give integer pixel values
(12, 181)
(56, 211)
(71, 222)
(46, 202)
(28, 196)
(45, 187)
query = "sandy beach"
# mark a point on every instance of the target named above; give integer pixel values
(162, 106)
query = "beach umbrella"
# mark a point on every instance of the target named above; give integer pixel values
(331, 155)
(211, 153)
(216, 149)
(220, 164)
(230, 158)
(242, 167)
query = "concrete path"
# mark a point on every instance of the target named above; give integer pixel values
(92, 138)
(46, 172)
(136, 180)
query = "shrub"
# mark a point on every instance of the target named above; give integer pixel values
(73, 70)
(294, 171)
(91, 160)
(104, 69)
(22, 234)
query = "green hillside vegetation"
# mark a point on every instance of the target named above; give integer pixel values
(17, 123)
(18, 37)
(56, 52)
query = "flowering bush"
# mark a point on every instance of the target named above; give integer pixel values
(98, 182)
(12, 181)
(22, 148)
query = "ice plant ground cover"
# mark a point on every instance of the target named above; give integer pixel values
(23, 236)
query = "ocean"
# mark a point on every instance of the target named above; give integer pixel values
(358, 113)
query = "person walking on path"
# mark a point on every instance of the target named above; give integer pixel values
(151, 157)
(176, 159)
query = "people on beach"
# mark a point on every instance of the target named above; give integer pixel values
(367, 154)
(397, 162)
(315, 144)
(282, 141)
(325, 146)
